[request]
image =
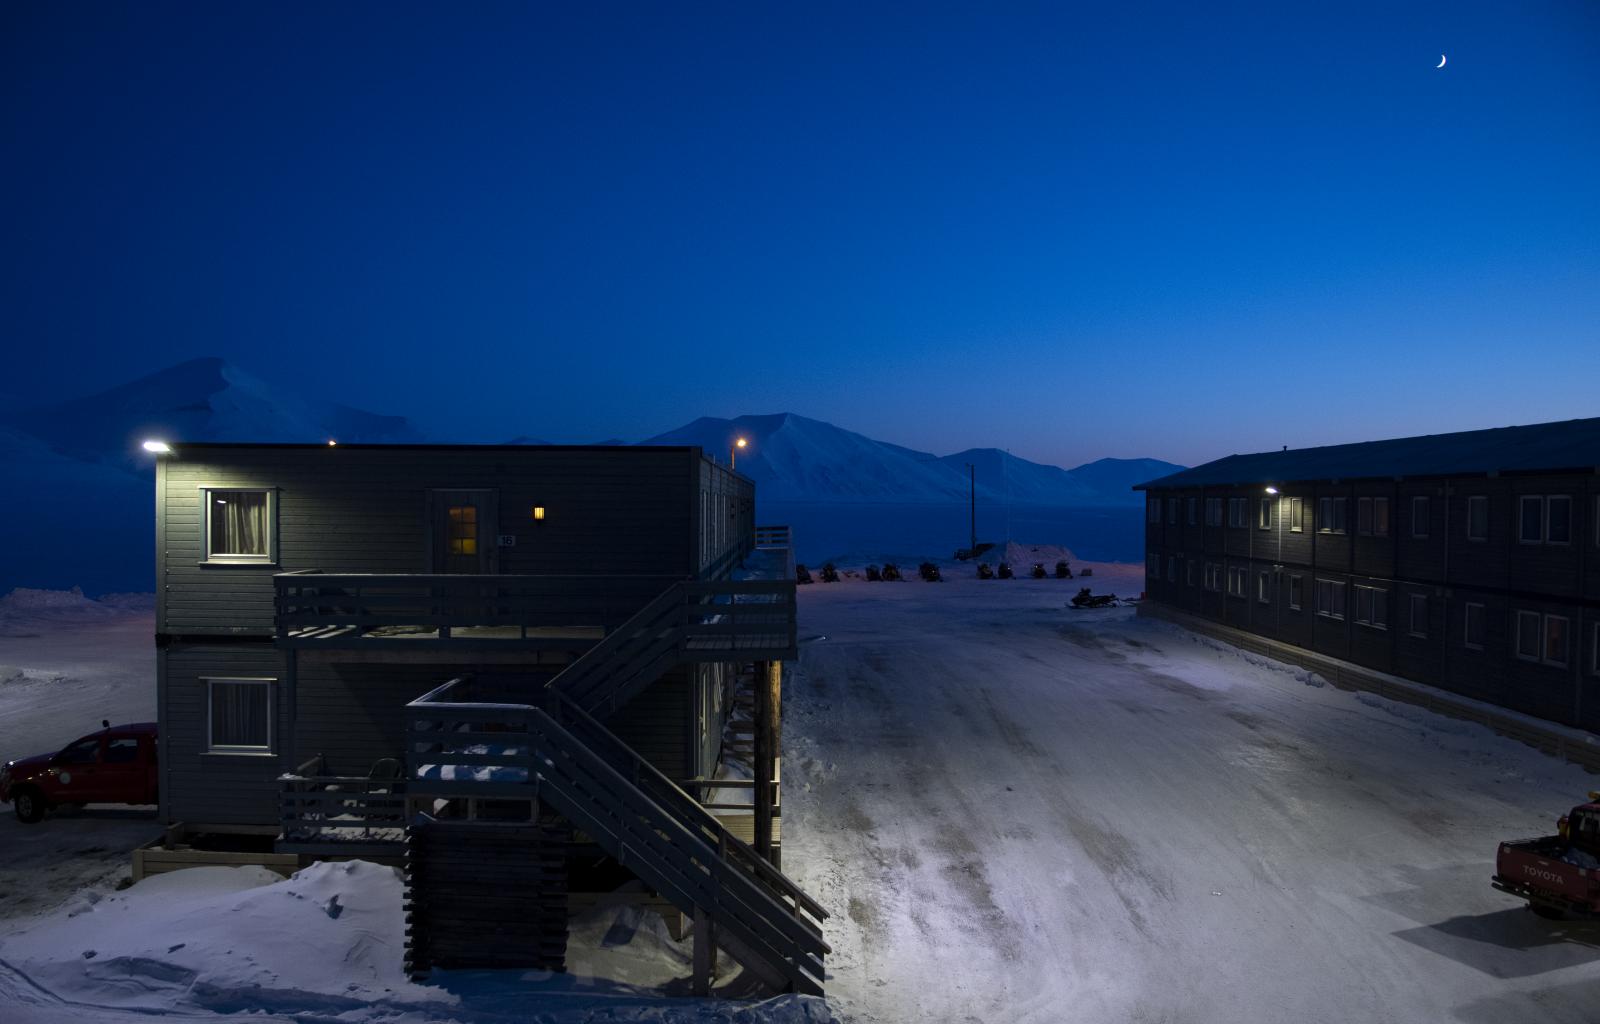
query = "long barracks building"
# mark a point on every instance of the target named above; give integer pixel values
(1467, 561)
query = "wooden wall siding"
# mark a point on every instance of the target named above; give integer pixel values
(1446, 566)
(622, 511)
(223, 789)
(658, 724)
(724, 511)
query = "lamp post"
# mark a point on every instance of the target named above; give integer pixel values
(1277, 570)
(733, 453)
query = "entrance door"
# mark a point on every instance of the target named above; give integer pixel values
(462, 535)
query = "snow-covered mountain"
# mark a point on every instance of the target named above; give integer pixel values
(796, 459)
(199, 400)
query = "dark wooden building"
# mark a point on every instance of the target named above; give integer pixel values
(1468, 561)
(431, 653)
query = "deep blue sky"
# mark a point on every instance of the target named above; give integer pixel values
(1168, 231)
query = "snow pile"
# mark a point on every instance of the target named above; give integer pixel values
(327, 944)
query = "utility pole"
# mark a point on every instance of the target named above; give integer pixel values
(972, 496)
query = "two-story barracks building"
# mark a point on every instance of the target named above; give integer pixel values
(1468, 561)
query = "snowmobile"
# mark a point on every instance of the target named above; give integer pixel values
(1087, 600)
(802, 574)
(1005, 571)
(891, 572)
(1063, 571)
(873, 575)
(985, 572)
(830, 573)
(929, 571)
(1037, 572)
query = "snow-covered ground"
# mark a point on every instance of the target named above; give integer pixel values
(1020, 812)
(66, 664)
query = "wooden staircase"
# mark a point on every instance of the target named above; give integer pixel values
(561, 756)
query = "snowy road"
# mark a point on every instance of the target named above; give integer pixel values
(1023, 813)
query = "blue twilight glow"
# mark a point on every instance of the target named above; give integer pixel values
(1073, 231)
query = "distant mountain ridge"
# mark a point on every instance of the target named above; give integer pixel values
(793, 458)
(200, 400)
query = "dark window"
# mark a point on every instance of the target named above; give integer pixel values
(1153, 510)
(82, 752)
(1419, 614)
(1421, 509)
(1194, 511)
(1528, 636)
(1296, 586)
(1238, 509)
(1213, 511)
(240, 715)
(1264, 513)
(1296, 515)
(1473, 636)
(1331, 515)
(1555, 640)
(1478, 517)
(1372, 607)
(1530, 519)
(1190, 572)
(1172, 568)
(122, 750)
(1152, 566)
(1558, 519)
(1330, 599)
(1264, 587)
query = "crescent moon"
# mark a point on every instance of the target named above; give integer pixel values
(1439, 65)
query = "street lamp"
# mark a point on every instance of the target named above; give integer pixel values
(733, 453)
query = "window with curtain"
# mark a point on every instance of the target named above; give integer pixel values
(240, 716)
(238, 525)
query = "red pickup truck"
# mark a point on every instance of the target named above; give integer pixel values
(1558, 875)
(116, 765)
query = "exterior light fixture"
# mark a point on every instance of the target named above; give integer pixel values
(158, 447)
(538, 512)
(1272, 490)
(332, 442)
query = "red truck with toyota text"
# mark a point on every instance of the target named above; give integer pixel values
(116, 765)
(1558, 875)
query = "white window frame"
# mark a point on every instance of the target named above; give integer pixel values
(1478, 501)
(1325, 606)
(1420, 524)
(1367, 607)
(1326, 518)
(1549, 498)
(1544, 641)
(1214, 577)
(1524, 619)
(1413, 627)
(1214, 516)
(1238, 513)
(1263, 513)
(1238, 581)
(1522, 518)
(207, 558)
(271, 684)
(1296, 592)
(1374, 512)
(1263, 587)
(1297, 512)
(1466, 625)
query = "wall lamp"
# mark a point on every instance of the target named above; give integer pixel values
(538, 512)
(158, 447)
(1272, 490)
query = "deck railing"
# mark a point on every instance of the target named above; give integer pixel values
(320, 607)
(329, 815)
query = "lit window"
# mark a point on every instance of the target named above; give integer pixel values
(1475, 627)
(238, 525)
(1478, 517)
(239, 716)
(463, 529)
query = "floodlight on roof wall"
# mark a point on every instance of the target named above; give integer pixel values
(157, 447)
